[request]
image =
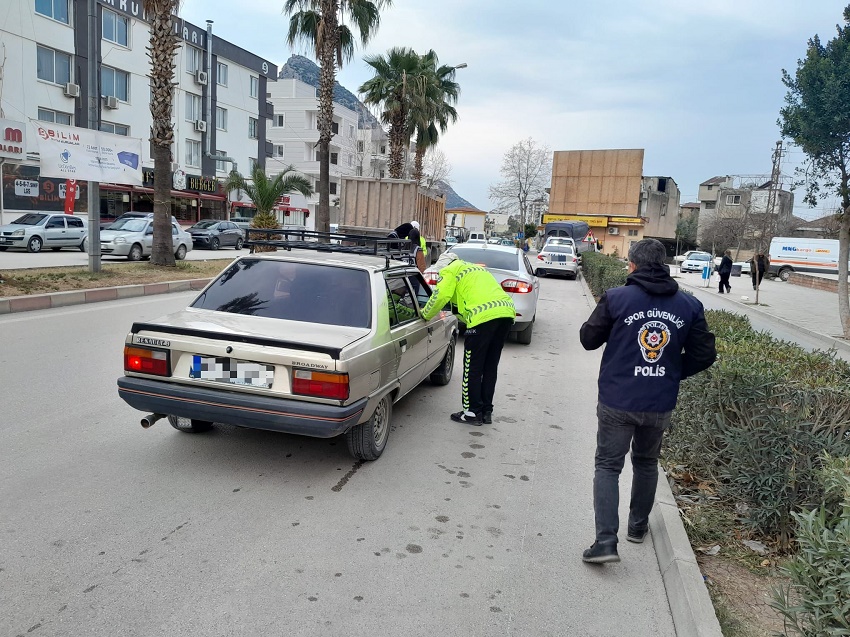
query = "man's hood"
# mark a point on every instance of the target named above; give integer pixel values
(655, 279)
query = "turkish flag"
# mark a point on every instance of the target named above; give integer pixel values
(70, 195)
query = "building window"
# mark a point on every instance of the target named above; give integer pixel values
(633, 233)
(221, 74)
(350, 160)
(193, 153)
(359, 171)
(334, 158)
(332, 187)
(56, 9)
(381, 175)
(254, 89)
(194, 60)
(335, 128)
(252, 164)
(253, 124)
(116, 28)
(278, 151)
(350, 131)
(383, 150)
(220, 118)
(115, 129)
(709, 187)
(221, 166)
(280, 121)
(115, 83)
(709, 205)
(360, 147)
(733, 200)
(54, 117)
(193, 107)
(53, 66)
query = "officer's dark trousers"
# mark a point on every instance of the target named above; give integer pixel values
(482, 351)
(617, 432)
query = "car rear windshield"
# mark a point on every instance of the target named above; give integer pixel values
(489, 258)
(559, 249)
(292, 291)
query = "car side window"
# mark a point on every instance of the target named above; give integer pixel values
(422, 291)
(73, 222)
(149, 229)
(174, 230)
(56, 222)
(402, 305)
(527, 265)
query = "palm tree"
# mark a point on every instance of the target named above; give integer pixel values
(163, 46)
(392, 91)
(434, 110)
(321, 24)
(264, 192)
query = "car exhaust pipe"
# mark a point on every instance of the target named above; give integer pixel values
(150, 419)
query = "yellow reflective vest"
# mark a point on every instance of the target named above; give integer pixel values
(476, 293)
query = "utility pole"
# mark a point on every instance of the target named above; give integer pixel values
(771, 216)
(93, 124)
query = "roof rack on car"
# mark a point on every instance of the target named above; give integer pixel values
(390, 249)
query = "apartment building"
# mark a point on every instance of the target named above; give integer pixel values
(659, 208)
(220, 105)
(294, 137)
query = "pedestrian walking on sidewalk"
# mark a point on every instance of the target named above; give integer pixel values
(654, 335)
(758, 266)
(725, 271)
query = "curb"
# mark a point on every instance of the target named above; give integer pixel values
(690, 604)
(12, 304)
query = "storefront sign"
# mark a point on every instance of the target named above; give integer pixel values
(198, 183)
(638, 221)
(26, 188)
(591, 220)
(13, 139)
(68, 152)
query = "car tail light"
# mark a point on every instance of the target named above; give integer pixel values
(320, 384)
(146, 361)
(574, 260)
(516, 286)
(540, 257)
(430, 277)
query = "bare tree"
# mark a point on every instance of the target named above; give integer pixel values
(526, 172)
(435, 168)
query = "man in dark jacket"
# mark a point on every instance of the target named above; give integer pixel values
(759, 264)
(725, 271)
(656, 336)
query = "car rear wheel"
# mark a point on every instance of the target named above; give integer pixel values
(181, 253)
(214, 243)
(135, 253)
(188, 425)
(239, 243)
(524, 337)
(785, 274)
(443, 374)
(367, 441)
(35, 244)
(83, 245)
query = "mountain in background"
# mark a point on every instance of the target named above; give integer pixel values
(304, 69)
(300, 68)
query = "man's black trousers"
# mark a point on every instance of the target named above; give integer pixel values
(482, 351)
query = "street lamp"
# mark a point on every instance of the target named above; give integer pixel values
(462, 65)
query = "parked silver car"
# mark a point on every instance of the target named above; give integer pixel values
(513, 271)
(307, 342)
(133, 238)
(215, 234)
(37, 230)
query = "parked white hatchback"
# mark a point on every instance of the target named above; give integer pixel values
(37, 230)
(133, 238)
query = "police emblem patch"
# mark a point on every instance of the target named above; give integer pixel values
(653, 338)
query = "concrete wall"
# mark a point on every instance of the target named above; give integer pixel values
(660, 207)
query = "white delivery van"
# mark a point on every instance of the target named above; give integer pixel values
(792, 254)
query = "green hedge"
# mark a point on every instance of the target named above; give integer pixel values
(602, 272)
(758, 421)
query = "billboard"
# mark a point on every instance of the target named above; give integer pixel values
(13, 140)
(67, 152)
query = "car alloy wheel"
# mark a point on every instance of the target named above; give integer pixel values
(35, 244)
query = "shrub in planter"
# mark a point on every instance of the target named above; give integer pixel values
(602, 272)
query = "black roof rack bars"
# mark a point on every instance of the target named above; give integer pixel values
(395, 249)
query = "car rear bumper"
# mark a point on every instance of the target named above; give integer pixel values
(236, 408)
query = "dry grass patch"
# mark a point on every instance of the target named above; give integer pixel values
(44, 280)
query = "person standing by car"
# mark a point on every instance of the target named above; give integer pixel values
(488, 312)
(725, 271)
(410, 232)
(758, 266)
(655, 335)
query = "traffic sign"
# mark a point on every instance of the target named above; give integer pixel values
(589, 238)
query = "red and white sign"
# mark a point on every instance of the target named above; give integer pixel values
(589, 238)
(13, 139)
(70, 195)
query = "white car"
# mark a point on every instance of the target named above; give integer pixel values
(696, 261)
(133, 238)
(511, 268)
(557, 259)
(37, 230)
(476, 237)
(679, 258)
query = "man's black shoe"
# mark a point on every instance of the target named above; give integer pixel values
(601, 554)
(637, 537)
(487, 418)
(468, 417)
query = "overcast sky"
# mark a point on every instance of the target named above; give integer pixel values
(696, 83)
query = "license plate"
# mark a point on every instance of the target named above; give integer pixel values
(559, 258)
(230, 370)
(2, 239)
